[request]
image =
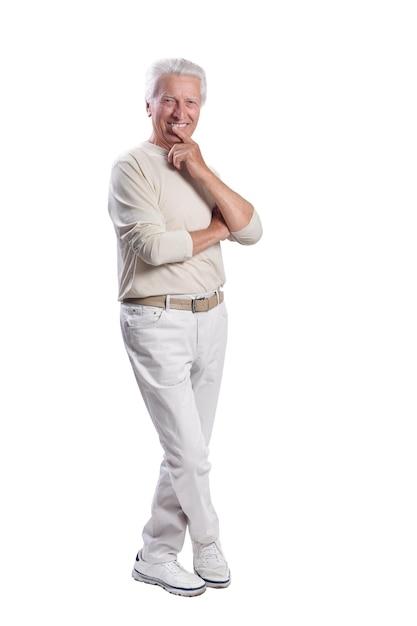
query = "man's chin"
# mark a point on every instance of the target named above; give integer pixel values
(174, 137)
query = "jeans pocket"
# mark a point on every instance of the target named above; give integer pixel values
(140, 317)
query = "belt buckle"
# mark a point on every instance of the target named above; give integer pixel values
(193, 301)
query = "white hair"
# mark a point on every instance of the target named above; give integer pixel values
(174, 66)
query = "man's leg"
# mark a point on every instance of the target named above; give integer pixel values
(166, 349)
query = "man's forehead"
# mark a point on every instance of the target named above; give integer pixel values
(179, 82)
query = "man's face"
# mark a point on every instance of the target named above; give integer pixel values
(176, 103)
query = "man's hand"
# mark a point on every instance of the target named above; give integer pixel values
(216, 231)
(218, 225)
(188, 152)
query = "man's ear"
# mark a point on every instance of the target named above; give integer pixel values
(148, 109)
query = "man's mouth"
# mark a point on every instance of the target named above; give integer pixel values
(179, 125)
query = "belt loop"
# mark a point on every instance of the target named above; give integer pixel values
(167, 302)
(218, 297)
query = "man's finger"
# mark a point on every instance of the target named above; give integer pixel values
(180, 133)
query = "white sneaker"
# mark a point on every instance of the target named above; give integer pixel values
(171, 576)
(210, 564)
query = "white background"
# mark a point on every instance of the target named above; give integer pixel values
(311, 114)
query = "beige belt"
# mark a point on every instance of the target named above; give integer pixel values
(195, 305)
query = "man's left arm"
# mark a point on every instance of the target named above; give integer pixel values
(238, 213)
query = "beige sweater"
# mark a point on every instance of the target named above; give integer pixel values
(153, 207)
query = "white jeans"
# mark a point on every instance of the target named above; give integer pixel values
(177, 357)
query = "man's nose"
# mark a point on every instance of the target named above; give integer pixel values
(179, 111)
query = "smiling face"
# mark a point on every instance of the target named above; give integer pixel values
(176, 104)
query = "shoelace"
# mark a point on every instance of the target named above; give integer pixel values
(175, 567)
(210, 554)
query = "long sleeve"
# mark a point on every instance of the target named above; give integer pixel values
(251, 234)
(138, 219)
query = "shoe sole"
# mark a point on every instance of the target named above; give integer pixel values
(178, 591)
(215, 584)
